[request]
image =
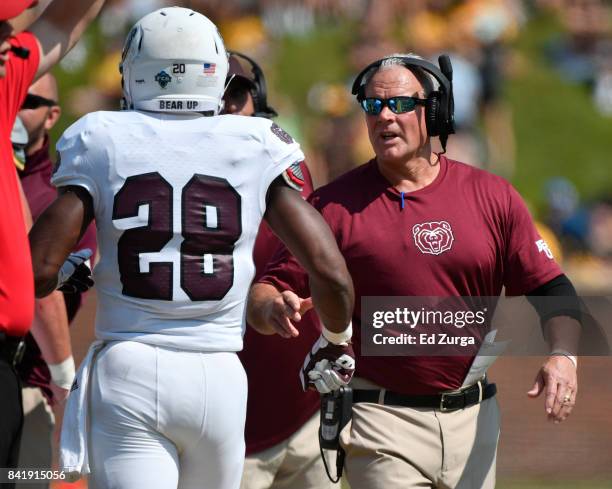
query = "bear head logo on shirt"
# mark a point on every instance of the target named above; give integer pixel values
(433, 238)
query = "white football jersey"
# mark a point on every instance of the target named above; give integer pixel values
(178, 201)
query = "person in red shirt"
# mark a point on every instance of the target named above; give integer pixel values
(282, 448)
(23, 57)
(411, 222)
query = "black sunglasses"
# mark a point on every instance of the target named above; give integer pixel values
(35, 101)
(397, 105)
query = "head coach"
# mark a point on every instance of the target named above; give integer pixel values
(414, 421)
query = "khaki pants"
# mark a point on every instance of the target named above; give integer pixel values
(390, 447)
(37, 436)
(292, 464)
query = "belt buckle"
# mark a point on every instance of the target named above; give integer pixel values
(443, 408)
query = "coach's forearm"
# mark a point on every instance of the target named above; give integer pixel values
(563, 334)
(50, 328)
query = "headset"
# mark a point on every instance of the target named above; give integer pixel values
(260, 93)
(439, 110)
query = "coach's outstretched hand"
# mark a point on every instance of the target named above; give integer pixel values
(286, 309)
(75, 276)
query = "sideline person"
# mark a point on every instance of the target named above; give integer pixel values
(39, 113)
(282, 446)
(411, 222)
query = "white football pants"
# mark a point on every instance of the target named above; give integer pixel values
(163, 418)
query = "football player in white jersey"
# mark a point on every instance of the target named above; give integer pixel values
(178, 193)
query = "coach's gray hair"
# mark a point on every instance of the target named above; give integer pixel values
(427, 81)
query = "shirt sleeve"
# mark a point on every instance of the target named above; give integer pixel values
(20, 74)
(528, 261)
(77, 150)
(285, 273)
(282, 151)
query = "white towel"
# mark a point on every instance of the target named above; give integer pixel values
(74, 460)
(487, 354)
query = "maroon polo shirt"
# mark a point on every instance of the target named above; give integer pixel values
(468, 233)
(36, 182)
(16, 278)
(276, 406)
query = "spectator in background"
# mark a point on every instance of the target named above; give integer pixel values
(40, 112)
(583, 53)
(282, 448)
(23, 57)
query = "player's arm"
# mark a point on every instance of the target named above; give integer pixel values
(309, 238)
(60, 27)
(55, 234)
(29, 16)
(330, 364)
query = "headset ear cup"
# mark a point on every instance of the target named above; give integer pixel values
(442, 116)
(360, 94)
(432, 114)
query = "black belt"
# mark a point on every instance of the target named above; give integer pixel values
(11, 349)
(447, 401)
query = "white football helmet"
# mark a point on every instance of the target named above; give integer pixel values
(174, 60)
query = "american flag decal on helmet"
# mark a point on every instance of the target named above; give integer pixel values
(294, 176)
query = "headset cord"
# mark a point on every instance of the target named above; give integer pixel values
(339, 464)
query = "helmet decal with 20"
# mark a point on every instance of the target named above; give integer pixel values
(174, 60)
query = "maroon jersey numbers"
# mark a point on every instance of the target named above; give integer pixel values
(211, 225)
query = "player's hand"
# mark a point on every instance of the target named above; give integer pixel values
(328, 366)
(75, 276)
(59, 393)
(559, 381)
(286, 309)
